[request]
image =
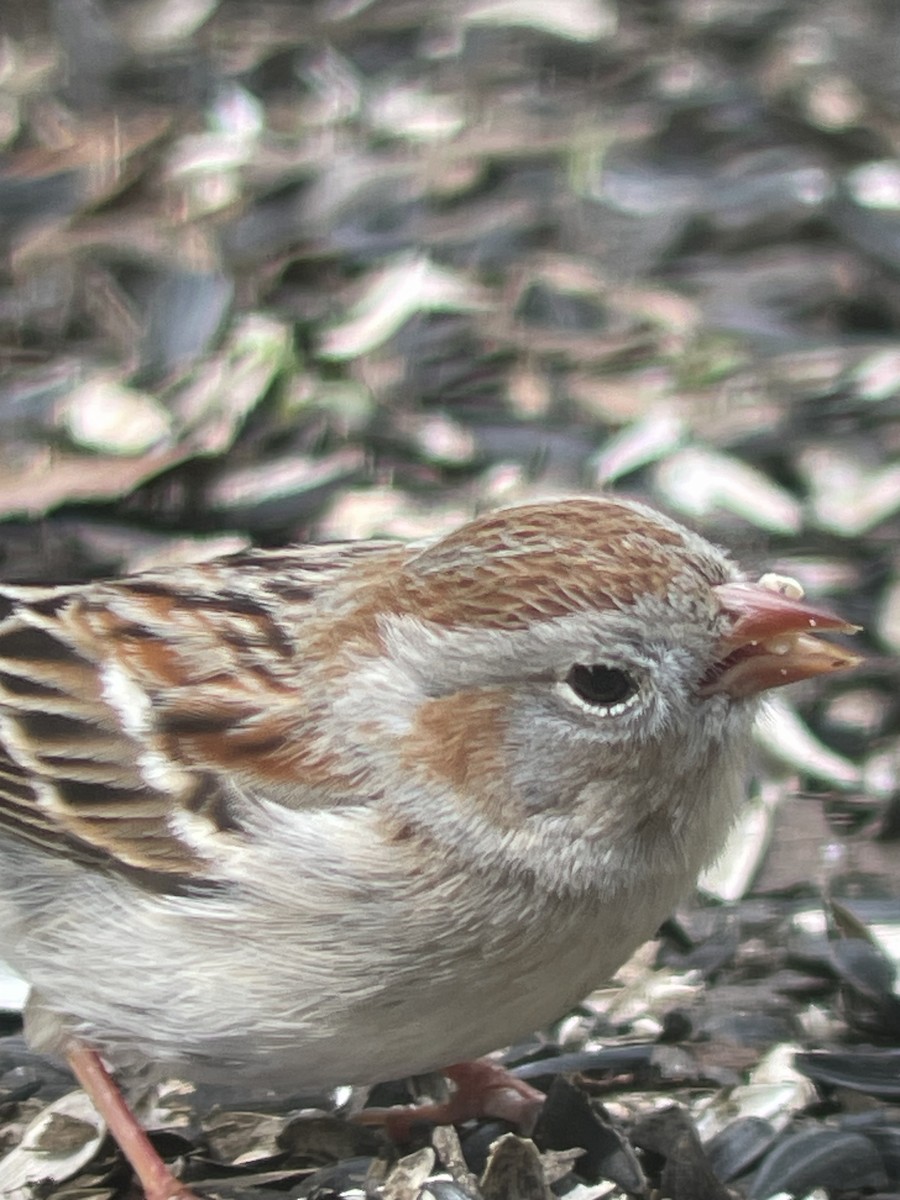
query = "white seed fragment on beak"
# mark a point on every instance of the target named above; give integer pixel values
(783, 584)
(780, 645)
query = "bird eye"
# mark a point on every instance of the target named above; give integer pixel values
(603, 687)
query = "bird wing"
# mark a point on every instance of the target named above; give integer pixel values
(133, 713)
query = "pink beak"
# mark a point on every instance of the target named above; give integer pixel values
(770, 642)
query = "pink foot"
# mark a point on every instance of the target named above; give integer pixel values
(483, 1089)
(156, 1179)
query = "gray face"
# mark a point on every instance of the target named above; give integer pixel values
(586, 744)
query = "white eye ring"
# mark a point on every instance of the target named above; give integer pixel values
(594, 710)
(587, 686)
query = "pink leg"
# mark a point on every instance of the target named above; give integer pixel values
(156, 1179)
(483, 1089)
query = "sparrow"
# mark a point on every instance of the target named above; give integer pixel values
(341, 813)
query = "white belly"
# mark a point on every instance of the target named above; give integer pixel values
(325, 975)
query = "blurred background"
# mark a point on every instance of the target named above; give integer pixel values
(273, 270)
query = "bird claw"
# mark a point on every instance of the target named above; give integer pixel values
(482, 1089)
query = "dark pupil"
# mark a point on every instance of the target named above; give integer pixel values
(600, 685)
